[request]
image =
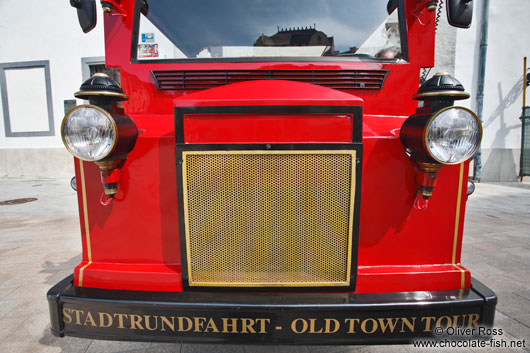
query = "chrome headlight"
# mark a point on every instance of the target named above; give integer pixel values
(89, 133)
(452, 135)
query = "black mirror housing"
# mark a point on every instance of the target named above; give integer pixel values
(391, 6)
(459, 13)
(86, 13)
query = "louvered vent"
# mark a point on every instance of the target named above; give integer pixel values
(201, 79)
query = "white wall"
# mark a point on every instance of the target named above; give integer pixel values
(47, 30)
(508, 43)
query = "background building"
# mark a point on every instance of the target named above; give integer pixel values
(458, 52)
(44, 57)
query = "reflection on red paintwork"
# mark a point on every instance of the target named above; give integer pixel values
(420, 203)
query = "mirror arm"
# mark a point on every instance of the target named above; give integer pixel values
(113, 8)
(76, 3)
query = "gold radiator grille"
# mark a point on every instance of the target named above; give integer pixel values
(268, 218)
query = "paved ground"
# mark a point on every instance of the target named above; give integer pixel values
(40, 244)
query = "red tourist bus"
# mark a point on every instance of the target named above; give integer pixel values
(271, 172)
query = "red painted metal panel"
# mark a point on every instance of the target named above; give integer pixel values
(278, 128)
(134, 242)
(269, 92)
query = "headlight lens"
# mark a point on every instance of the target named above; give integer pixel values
(453, 135)
(89, 132)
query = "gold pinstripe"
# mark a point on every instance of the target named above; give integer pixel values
(87, 229)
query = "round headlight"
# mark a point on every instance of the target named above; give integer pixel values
(453, 135)
(89, 133)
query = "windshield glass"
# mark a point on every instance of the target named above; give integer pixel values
(179, 29)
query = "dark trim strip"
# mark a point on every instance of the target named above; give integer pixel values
(315, 59)
(277, 312)
(490, 301)
(43, 64)
(402, 30)
(180, 148)
(135, 33)
(355, 111)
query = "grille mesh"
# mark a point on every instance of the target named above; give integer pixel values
(261, 218)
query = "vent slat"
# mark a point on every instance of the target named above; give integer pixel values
(337, 79)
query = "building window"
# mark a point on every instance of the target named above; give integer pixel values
(27, 99)
(113, 73)
(95, 64)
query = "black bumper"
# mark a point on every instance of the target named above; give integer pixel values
(287, 318)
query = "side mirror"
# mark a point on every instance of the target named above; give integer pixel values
(86, 13)
(391, 6)
(459, 13)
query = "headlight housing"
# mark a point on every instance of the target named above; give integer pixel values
(439, 133)
(100, 132)
(452, 135)
(89, 133)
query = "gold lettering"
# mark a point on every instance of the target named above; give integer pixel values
(171, 324)
(351, 323)
(473, 320)
(77, 316)
(294, 324)
(136, 320)
(211, 326)
(455, 320)
(312, 326)
(374, 326)
(328, 325)
(233, 325)
(89, 318)
(262, 325)
(102, 320)
(120, 319)
(181, 323)
(410, 325)
(463, 320)
(446, 318)
(66, 314)
(390, 322)
(148, 325)
(247, 325)
(429, 320)
(199, 323)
